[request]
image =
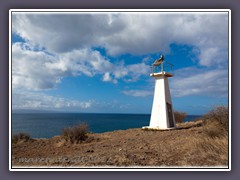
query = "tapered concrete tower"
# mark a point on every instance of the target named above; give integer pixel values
(162, 116)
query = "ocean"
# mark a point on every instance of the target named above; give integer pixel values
(47, 125)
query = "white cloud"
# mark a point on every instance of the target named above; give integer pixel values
(29, 69)
(138, 93)
(213, 56)
(39, 70)
(130, 73)
(68, 40)
(119, 33)
(196, 82)
(33, 100)
(192, 81)
(107, 78)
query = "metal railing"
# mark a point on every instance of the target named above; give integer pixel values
(163, 67)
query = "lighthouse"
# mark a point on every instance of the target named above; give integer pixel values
(162, 116)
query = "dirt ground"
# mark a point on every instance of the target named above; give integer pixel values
(184, 147)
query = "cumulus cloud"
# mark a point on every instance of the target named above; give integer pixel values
(107, 78)
(60, 32)
(30, 100)
(29, 68)
(138, 93)
(38, 70)
(191, 81)
(130, 73)
(134, 33)
(61, 45)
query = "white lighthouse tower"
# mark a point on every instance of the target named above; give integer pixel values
(162, 116)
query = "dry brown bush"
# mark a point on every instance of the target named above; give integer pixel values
(76, 134)
(216, 122)
(20, 137)
(179, 116)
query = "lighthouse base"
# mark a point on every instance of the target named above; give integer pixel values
(158, 128)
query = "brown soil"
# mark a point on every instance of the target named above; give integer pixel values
(186, 146)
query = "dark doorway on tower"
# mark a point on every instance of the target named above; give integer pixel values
(170, 115)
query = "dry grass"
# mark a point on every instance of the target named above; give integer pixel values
(20, 137)
(211, 148)
(76, 134)
(207, 151)
(199, 143)
(216, 122)
(213, 129)
(179, 116)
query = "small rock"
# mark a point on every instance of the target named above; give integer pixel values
(91, 151)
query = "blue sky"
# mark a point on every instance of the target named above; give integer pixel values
(99, 62)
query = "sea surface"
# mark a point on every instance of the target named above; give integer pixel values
(47, 125)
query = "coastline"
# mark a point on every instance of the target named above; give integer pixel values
(35, 124)
(187, 146)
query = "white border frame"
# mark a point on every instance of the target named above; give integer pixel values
(146, 168)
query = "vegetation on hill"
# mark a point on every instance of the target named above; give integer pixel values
(179, 116)
(203, 142)
(76, 134)
(20, 137)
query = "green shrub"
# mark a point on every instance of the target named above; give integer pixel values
(20, 137)
(179, 116)
(76, 134)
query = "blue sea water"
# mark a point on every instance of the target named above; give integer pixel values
(47, 125)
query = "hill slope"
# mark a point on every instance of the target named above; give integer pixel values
(187, 146)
